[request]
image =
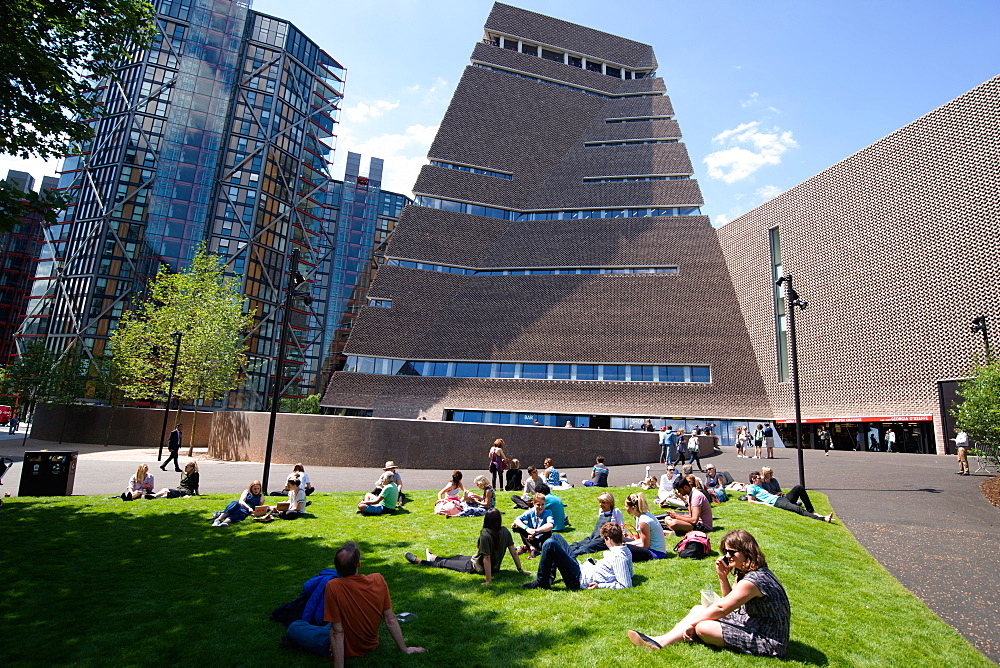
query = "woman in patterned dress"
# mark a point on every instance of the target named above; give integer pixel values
(753, 615)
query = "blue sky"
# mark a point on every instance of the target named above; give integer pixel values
(767, 93)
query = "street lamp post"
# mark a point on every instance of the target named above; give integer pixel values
(170, 394)
(979, 325)
(792, 301)
(295, 279)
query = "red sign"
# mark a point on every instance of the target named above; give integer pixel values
(878, 418)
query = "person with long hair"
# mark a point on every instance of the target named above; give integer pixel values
(476, 505)
(753, 615)
(139, 485)
(498, 462)
(494, 541)
(757, 494)
(239, 510)
(450, 497)
(188, 485)
(651, 543)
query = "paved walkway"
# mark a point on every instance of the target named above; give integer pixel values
(930, 528)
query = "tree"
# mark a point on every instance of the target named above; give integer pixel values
(51, 53)
(308, 404)
(206, 308)
(979, 413)
(39, 376)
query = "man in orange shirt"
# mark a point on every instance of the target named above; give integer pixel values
(355, 606)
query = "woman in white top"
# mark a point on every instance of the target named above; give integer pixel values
(139, 484)
(450, 497)
(296, 501)
(651, 543)
(299, 471)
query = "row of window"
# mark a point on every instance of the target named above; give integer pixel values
(648, 177)
(473, 170)
(633, 142)
(637, 119)
(629, 373)
(517, 216)
(580, 61)
(409, 264)
(578, 89)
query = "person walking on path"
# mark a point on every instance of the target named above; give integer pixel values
(826, 439)
(962, 445)
(174, 446)
(14, 424)
(768, 441)
(668, 440)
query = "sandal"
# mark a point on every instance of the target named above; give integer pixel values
(642, 640)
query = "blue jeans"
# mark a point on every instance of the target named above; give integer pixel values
(376, 509)
(315, 639)
(556, 554)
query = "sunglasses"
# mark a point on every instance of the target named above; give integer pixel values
(729, 552)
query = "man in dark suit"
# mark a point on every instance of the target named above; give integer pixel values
(174, 446)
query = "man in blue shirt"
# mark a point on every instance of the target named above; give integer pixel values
(668, 442)
(535, 525)
(554, 505)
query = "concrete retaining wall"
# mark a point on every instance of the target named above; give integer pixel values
(323, 440)
(129, 426)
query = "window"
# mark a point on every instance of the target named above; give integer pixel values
(534, 371)
(613, 71)
(466, 370)
(510, 44)
(575, 62)
(594, 67)
(506, 370)
(552, 55)
(529, 49)
(609, 372)
(675, 374)
(700, 374)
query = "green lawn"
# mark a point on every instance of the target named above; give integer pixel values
(94, 581)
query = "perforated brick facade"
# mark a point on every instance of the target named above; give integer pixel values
(542, 132)
(895, 249)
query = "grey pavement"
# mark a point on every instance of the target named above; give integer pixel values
(931, 529)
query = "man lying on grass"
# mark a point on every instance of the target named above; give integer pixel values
(613, 571)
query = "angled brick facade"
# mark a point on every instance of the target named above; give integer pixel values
(522, 110)
(895, 248)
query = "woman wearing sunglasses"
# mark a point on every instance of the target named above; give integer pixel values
(753, 615)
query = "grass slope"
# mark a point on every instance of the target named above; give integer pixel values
(97, 582)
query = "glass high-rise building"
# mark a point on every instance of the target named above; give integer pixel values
(556, 266)
(218, 133)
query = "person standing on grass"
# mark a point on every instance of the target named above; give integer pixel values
(355, 606)
(174, 446)
(498, 463)
(752, 617)
(613, 571)
(494, 542)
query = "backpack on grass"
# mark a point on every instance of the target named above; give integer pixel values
(695, 545)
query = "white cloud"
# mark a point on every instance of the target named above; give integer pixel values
(362, 113)
(720, 220)
(750, 101)
(404, 154)
(749, 149)
(768, 192)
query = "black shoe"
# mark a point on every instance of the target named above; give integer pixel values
(163, 468)
(125, 499)
(178, 471)
(412, 558)
(535, 584)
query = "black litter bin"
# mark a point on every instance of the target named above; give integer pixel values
(48, 473)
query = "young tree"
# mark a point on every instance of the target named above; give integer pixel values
(206, 308)
(979, 414)
(51, 53)
(41, 377)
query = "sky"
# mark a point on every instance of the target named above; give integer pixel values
(767, 93)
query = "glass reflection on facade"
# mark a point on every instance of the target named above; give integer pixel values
(218, 133)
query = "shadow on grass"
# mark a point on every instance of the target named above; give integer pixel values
(798, 651)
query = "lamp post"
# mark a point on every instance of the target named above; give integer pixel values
(979, 325)
(295, 279)
(792, 301)
(170, 394)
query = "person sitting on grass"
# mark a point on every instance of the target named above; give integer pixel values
(666, 496)
(534, 526)
(651, 543)
(450, 497)
(513, 476)
(554, 505)
(796, 494)
(607, 513)
(699, 515)
(476, 505)
(188, 485)
(355, 606)
(523, 501)
(753, 615)
(239, 510)
(757, 494)
(599, 475)
(296, 501)
(613, 571)
(715, 478)
(385, 501)
(494, 542)
(553, 478)
(139, 485)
